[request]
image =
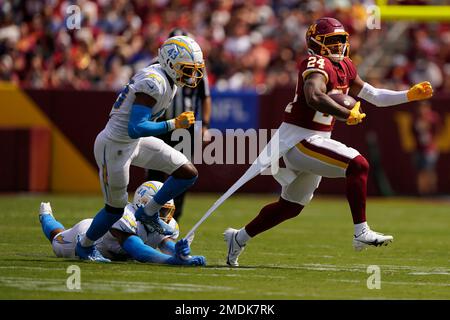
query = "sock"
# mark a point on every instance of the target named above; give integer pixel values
(102, 222)
(242, 237)
(356, 188)
(360, 227)
(170, 189)
(48, 224)
(272, 215)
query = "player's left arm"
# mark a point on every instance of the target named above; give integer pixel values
(167, 246)
(385, 97)
(139, 251)
(140, 125)
(179, 249)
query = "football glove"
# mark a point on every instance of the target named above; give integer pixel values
(355, 116)
(184, 120)
(420, 91)
(182, 248)
(196, 261)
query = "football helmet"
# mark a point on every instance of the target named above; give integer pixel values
(146, 192)
(327, 37)
(182, 59)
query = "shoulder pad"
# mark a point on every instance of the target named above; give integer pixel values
(153, 84)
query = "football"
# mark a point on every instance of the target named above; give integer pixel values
(343, 99)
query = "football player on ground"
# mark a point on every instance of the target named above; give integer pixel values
(129, 139)
(310, 152)
(127, 238)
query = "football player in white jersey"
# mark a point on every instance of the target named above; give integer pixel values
(129, 139)
(127, 238)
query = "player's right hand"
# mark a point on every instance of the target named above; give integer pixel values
(197, 261)
(355, 116)
(184, 120)
(182, 248)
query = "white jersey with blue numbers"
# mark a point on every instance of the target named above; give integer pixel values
(150, 80)
(110, 247)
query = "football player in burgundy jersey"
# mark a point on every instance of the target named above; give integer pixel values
(306, 134)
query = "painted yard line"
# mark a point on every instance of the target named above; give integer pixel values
(410, 268)
(58, 285)
(356, 267)
(165, 272)
(429, 273)
(383, 266)
(406, 283)
(33, 268)
(125, 286)
(306, 266)
(215, 274)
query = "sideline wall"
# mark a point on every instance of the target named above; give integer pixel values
(74, 118)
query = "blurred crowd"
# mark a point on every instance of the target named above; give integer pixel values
(247, 44)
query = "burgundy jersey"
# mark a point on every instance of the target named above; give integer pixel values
(339, 77)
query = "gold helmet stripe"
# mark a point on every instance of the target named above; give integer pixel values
(181, 44)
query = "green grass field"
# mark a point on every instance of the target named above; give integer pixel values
(309, 257)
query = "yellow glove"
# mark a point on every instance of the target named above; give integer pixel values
(420, 91)
(184, 120)
(355, 116)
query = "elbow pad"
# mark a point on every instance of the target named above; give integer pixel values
(382, 97)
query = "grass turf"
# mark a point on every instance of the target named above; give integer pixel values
(309, 257)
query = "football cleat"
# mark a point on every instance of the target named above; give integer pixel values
(44, 209)
(90, 253)
(154, 222)
(234, 248)
(370, 238)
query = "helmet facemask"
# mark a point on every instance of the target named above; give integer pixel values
(188, 74)
(334, 46)
(166, 212)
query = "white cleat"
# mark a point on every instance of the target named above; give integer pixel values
(370, 238)
(234, 248)
(44, 209)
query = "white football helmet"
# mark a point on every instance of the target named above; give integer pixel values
(147, 191)
(182, 59)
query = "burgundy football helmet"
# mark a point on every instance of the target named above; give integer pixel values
(327, 37)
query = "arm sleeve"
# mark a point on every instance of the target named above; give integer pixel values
(141, 252)
(139, 124)
(168, 247)
(382, 97)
